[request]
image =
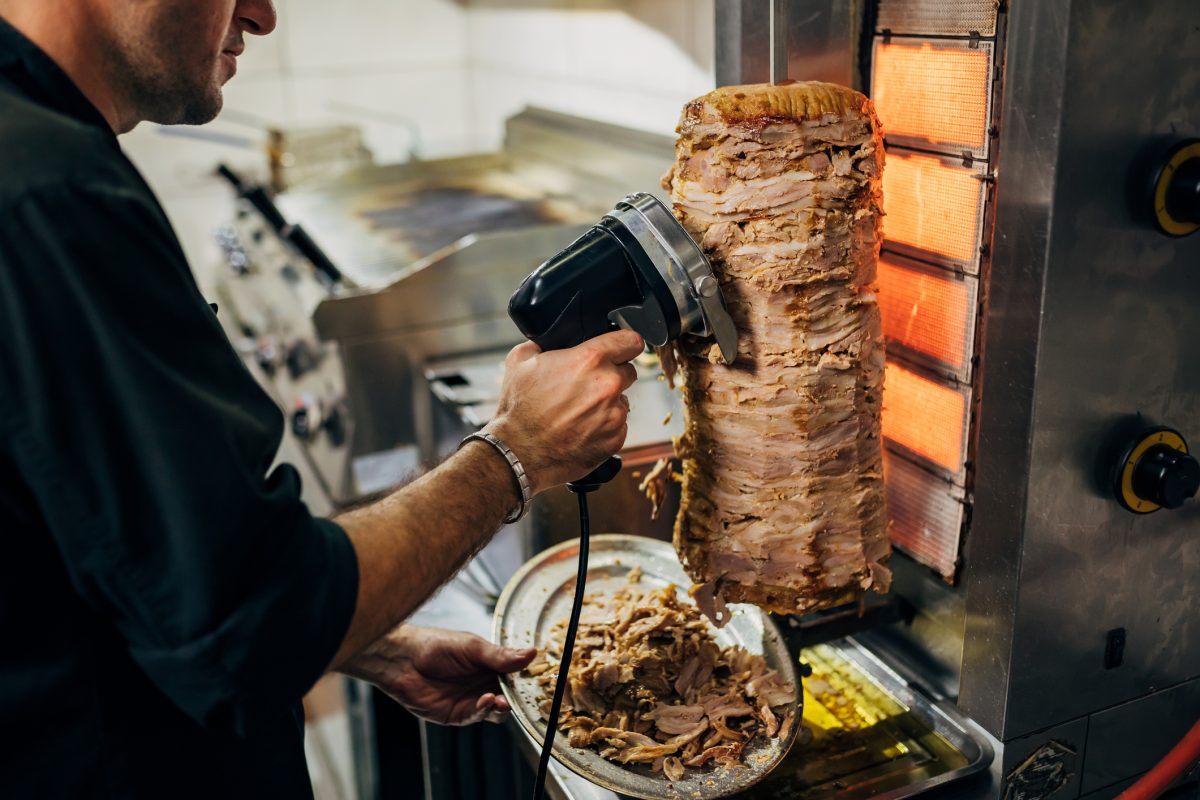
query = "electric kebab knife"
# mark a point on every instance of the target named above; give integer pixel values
(637, 269)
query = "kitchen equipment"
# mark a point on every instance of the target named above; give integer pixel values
(539, 596)
(637, 269)
(1039, 299)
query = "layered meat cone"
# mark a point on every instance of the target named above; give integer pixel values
(783, 497)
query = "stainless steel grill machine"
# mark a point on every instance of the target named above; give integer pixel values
(1042, 308)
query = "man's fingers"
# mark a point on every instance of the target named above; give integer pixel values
(619, 346)
(499, 710)
(491, 707)
(628, 375)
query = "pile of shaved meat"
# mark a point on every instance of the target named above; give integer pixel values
(649, 685)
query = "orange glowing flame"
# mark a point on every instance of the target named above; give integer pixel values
(926, 417)
(936, 93)
(931, 205)
(926, 312)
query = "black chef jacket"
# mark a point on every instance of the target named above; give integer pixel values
(165, 597)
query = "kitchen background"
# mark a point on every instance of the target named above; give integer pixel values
(427, 79)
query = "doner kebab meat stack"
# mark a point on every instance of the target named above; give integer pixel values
(783, 496)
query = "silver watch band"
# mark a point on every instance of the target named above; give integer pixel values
(518, 471)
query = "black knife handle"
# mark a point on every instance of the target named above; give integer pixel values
(597, 477)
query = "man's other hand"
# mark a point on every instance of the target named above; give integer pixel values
(447, 677)
(564, 411)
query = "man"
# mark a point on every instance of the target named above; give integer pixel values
(165, 597)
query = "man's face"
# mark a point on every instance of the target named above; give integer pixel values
(170, 58)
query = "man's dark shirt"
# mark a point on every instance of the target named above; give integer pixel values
(165, 598)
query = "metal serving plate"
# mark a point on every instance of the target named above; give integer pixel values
(539, 596)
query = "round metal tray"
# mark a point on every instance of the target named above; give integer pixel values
(539, 596)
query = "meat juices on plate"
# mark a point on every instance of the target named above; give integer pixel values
(783, 497)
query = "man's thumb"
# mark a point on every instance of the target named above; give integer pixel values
(507, 659)
(619, 346)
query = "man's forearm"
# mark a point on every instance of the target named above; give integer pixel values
(413, 540)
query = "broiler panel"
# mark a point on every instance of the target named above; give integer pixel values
(939, 17)
(926, 419)
(928, 314)
(933, 208)
(934, 94)
(927, 512)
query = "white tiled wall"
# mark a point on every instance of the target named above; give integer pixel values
(431, 78)
(396, 68)
(632, 62)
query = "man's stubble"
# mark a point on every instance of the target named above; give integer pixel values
(158, 68)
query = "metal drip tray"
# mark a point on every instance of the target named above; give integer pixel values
(868, 733)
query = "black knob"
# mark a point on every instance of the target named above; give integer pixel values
(1176, 189)
(301, 359)
(1156, 471)
(1165, 476)
(308, 417)
(1183, 192)
(303, 423)
(335, 423)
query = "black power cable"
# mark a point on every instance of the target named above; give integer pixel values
(560, 685)
(582, 487)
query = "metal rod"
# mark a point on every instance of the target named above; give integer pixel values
(778, 36)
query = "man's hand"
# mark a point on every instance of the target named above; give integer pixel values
(447, 677)
(564, 411)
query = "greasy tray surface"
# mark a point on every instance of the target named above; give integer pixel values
(539, 595)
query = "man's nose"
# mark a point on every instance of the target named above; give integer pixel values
(255, 16)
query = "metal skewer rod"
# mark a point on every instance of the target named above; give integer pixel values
(778, 35)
